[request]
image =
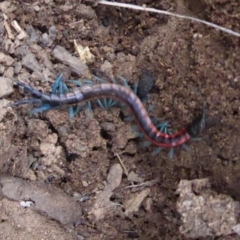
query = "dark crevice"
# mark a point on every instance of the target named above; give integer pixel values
(104, 134)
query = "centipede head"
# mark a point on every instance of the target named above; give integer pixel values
(195, 128)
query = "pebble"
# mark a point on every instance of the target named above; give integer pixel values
(9, 73)
(30, 62)
(133, 177)
(74, 63)
(6, 87)
(6, 59)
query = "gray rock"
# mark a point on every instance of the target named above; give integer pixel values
(30, 62)
(74, 63)
(204, 212)
(6, 87)
(47, 198)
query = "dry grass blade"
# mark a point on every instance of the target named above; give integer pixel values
(143, 8)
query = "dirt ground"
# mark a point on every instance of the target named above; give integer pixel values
(89, 177)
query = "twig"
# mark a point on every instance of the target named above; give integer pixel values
(122, 164)
(145, 184)
(143, 8)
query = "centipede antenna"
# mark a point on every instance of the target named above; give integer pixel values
(32, 90)
(26, 101)
(43, 108)
(19, 83)
(56, 83)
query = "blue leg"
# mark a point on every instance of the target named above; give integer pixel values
(26, 101)
(56, 84)
(60, 87)
(37, 93)
(105, 103)
(80, 84)
(156, 151)
(43, 108)
(125, 83)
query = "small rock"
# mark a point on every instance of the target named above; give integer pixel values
(2, 69)
(133, 177)
(9, 46)
(123, 135)
(17, 67)
(107, 67)
(9, 73)
(30, 62)
(20, 223)
(6, 87)
(236, 229)
(4, 5)
(58, 170)
(86, 12)
(41, 175)
(132, 205)
(131, 148)
(74, 63)
(205, 213)
(3, 111)
(103, 204)
(6, 60)
(47, 199)
(114, 177)
(84, 183)
(45, 40)
(148, 204)
(30, 175)
(52, 33)
(22, 35)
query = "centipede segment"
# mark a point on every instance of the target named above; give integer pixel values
(128, 97)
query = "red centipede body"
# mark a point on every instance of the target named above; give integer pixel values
(139, 112)
(125, 95)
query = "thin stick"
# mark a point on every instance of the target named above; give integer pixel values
(121, 162)
(145, 184)
(142, 8)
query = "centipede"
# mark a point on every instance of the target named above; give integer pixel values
(129, 98)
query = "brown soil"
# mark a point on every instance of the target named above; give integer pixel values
(191, 62)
